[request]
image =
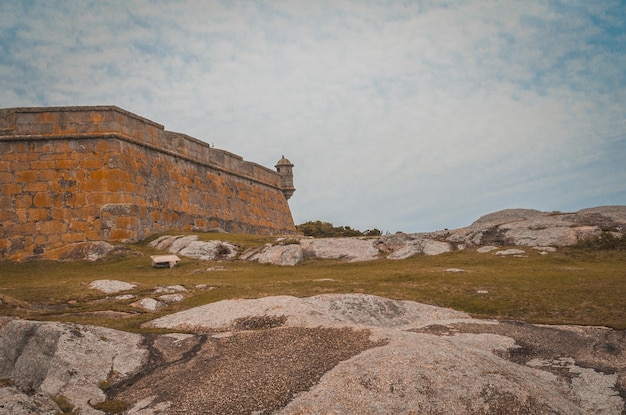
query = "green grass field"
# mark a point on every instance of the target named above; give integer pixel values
(570, 286)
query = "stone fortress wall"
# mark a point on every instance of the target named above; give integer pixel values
(80, 174)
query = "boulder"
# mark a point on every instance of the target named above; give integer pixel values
(111, 286)
(15, 402)
(88, 251)
(420, 245)
(171, 298)
(527, 227)
(284, 255)
(347, 249)
(430, 359)
(148, 304)
(273, 355)
(511, 251)
(170, 289)
(192, 247)
(65, 359)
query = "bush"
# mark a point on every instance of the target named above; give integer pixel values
(64, 404)
(319, 229)
(604, 242)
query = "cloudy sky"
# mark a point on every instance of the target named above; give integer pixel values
(398, 115)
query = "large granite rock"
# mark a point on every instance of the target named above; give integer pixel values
(192, 247)
(348, 249)
(435, 360)
(285, 255)
(71, 360)
(526, 227)
(340, 353)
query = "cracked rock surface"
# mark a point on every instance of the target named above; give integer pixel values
(333, 354)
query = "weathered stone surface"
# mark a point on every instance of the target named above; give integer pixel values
(348, 249)
(511, 251)
(420, 245)
(66, 359)
(15, 402)
(345, 309)
(171, 298)
(170, 289)
(284, 255)
(527, 227)
(191, 246)
(436, 360)
(339, 353)
(87, 251)
(111, 286)
(149, 304)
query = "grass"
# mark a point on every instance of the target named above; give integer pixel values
(570, 286)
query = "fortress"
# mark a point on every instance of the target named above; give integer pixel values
(83, 174)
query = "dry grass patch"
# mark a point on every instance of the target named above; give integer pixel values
(566, 287)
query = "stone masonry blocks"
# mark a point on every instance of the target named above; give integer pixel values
(76, 174)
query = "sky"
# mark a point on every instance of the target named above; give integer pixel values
(398, 115)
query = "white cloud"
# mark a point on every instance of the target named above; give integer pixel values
(397, 115)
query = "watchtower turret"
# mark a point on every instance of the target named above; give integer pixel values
(285, 169)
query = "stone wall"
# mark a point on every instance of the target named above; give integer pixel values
(75, 174)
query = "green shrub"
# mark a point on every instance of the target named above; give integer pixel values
(319, 229)
(604, 242)
(64, 404)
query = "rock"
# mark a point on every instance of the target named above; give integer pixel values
(455, 270)
(148, 304)
(64, 359)
(512, 251)
(190, 246)
(171, 298)
(210, 269)
(285, 255)
(88, 251)
(15, 402)
(111, 286)
(169, 289)
(271, 355)
(328, 309)
(347, 249)
(488, 248)
(163, 243)
(433, 359)
(545, 248)
(395, 241)
(420, 245)
(527, 227)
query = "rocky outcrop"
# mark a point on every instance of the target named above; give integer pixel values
(340, 353)
(284, 255)
(348, 249)
(526, 227)
(192, 247)
(73, 361)
(511, 227)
